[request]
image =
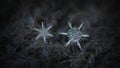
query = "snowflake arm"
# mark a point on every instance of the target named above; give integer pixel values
(32, 28)
(63, 33)
(49, 27)
(44, 39)
(42, 25)
(85, 35)
(79, 45)
(37, 37)
(50, 35)
(69, 42)
(80, 26)
(70, 25)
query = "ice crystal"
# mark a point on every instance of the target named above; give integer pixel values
(43, 32)
(74, 35)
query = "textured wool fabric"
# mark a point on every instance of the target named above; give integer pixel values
(20, 49)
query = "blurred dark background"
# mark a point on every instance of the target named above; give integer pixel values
(19, 49)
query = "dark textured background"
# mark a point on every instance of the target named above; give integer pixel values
(18, 49)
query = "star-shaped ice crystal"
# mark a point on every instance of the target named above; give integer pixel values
(43, 32)
(74, 35)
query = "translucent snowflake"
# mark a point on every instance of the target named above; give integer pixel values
(74, 35)
(43, 32)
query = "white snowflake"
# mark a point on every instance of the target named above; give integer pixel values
(74, 35)
(43, 32)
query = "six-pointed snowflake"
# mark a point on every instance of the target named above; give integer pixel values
(74, 35)
(43, 32)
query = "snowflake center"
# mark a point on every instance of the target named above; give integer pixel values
(74, 33)
(43, 32)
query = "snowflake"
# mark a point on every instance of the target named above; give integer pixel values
(74, 35)
(43, 32)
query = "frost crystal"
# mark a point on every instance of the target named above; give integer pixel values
(74, 35)
(43, 32)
